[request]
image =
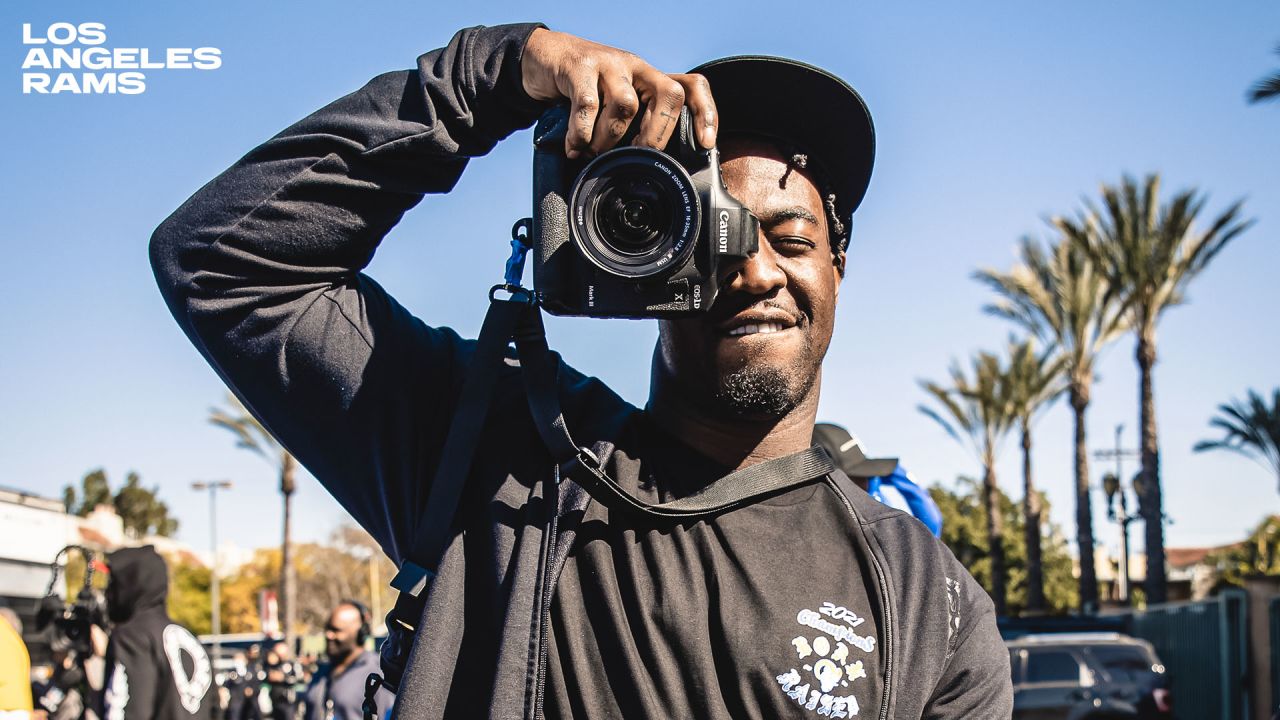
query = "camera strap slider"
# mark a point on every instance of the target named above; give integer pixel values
(411, 578)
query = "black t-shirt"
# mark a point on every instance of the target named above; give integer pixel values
(759, 612)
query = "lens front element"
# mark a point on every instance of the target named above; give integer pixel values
(635, 213)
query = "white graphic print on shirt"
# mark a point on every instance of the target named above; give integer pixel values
(117, 695)
(191, 688)
(825, 680)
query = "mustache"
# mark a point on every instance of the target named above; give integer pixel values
(728, 305)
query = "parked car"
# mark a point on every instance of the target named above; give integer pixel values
(1087, 676)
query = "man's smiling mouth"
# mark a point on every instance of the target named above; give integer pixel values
(758, 329)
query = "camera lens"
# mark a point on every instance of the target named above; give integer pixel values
(632, 212)
(635, 213)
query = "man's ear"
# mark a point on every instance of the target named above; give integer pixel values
(838, 261)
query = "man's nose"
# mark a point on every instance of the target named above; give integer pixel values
(759, 274)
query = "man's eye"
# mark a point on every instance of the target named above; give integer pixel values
(793, 243)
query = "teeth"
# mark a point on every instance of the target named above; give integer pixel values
(763, 328)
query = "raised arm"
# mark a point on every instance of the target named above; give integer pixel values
(261, 267)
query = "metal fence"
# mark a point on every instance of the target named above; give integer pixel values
(1273, 617)
(1204, 646)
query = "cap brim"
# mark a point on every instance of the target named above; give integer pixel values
(807, 106)
(872, 467)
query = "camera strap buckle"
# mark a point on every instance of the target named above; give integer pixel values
(370, 705)
(519, 251)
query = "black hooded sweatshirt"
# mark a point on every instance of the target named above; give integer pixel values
(155, 667)
(818, 603)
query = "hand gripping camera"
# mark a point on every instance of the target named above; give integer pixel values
(634, 232)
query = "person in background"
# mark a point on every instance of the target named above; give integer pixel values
(236, 682)
(337, 690)
(72, 690)
(15, 668)
(283, 678)
(155, 667)
(884, 479)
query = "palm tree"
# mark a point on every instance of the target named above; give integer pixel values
(1149, 253)
(1268, 88)
(979, 407)
(1058, 294)
(251, 435)
(1252, 429)
(1035, 380)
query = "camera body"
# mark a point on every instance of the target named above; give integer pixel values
(634, 232)
(72, 622)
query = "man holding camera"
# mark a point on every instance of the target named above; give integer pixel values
(553, 599)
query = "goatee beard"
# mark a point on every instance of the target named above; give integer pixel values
(759, 392)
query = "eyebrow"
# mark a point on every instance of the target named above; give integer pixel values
(781, 215)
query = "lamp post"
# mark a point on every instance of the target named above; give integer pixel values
(215, 600)
(1111, 486)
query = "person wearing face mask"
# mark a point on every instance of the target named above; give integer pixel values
(155, 667)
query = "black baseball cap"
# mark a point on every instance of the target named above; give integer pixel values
(805, 106)
(848, 454)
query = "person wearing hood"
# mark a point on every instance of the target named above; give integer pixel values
(155, 667)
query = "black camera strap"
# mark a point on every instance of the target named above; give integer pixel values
(541, 370)
(519, 318)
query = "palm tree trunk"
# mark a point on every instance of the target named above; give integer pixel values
(1031, 521)
(995, 544)
(1152, 501)
(288, 576)
(1084, 507)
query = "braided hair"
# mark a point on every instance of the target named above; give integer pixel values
(839, 232)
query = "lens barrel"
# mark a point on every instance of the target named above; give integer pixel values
(634, 213)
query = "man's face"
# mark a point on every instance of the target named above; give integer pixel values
(341, 631)
(758, 352)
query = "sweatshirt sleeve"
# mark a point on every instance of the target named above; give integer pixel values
(132, 674)
(262, 270)
(975, 684)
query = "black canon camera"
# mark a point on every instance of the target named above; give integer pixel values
(634, 232)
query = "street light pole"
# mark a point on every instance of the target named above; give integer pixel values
(215, 599)
(1119, 454)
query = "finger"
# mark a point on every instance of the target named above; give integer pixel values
(583, 92)
(702, 107)
(663, 98)
(620, 107)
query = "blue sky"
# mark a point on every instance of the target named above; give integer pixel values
(989, 117)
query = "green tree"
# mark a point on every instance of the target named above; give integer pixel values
(1035, 380)
(1259, 554)
(348, 566)
(977, 415)
(1059, 295)
(1268, 88)
(251, 435)
(242, 590)
(1251, 429)
(140, 509)
(94, 491)
(341, 568)
(964, 532)
(1149, 254)
(190, 594)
